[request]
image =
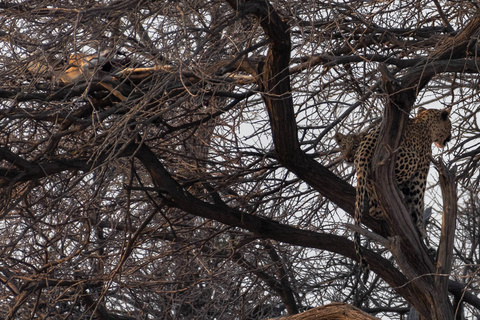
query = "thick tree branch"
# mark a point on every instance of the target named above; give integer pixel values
(445, 248)
(263, 227)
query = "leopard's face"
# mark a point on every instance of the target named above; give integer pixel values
(349, 144)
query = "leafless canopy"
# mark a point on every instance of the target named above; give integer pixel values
(176, 160)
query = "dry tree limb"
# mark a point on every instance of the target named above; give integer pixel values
(333, 311)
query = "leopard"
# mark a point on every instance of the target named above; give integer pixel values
(411, 166)
(349, 144)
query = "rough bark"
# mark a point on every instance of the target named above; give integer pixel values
(334, 311)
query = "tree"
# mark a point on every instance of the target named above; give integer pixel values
(175, 160)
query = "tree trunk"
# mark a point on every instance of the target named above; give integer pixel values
(409, 251)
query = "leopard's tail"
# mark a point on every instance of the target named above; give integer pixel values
(361, 206)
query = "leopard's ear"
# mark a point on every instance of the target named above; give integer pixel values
(447, 110)
(445, 113)
(420, 110)
(338, 137)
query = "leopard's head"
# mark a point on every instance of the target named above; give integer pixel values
(439, 124)
(349, 144)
